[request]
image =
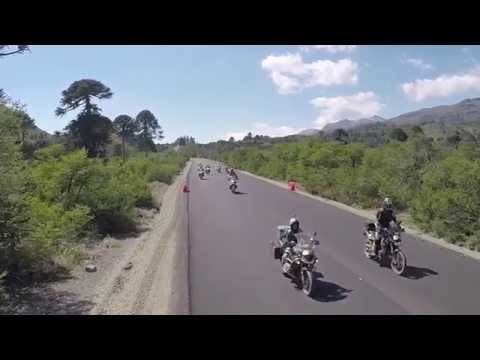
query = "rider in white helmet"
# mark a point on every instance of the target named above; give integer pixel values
(292, 231)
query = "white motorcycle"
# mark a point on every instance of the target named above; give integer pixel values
(233, 186)
(298, 260)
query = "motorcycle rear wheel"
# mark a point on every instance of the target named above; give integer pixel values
(398, 262)
(307, 282)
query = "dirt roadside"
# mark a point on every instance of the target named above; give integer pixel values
(157, 282)
(145, 273)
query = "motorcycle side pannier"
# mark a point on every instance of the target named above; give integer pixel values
(277, 253)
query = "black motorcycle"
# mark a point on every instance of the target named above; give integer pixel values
(387, 249)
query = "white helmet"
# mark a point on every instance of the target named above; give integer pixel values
(387, 203)
(294, 225)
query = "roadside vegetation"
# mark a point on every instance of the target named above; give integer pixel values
(61, 192)
(436, 181)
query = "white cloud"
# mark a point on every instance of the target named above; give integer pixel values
(442, 86)
(418, 63)
(263, 129)
(290, 74)
(332, 49)
(353, 107)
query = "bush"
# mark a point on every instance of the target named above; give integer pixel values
(449, 201)
(55, 235)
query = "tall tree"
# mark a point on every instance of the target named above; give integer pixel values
(248, 138)
(340, 135)
(399, 135)
(91, 132)
(417, 130)
(5, 50)
(454, 139)
(148, 130)
(90, 129)
(125, 126)
(81, 93)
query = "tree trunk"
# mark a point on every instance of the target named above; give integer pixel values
(123, 148)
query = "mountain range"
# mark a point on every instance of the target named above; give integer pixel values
(465, 111)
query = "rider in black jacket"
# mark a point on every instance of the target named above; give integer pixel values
(384, 217)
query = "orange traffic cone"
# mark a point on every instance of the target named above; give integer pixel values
(291, 185)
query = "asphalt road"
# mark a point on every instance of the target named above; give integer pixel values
(232, 270)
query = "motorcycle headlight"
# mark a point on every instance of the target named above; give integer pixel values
(396, 237)
(305, 252)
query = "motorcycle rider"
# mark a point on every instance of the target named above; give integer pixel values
(384, 217)
(233, 174)
(292, 232)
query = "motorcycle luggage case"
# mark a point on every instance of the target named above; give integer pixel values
(370, 227)
(277, 253)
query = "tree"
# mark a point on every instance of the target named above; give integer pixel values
(398, 135)
(90, 129)
(340, 135)
(5, 50)
(417, 130)
(184, 140)
(454, 139)
(80, 93)
(91, 132)
(13, 214)
(149, 129)
(125, 127)
(248, 138)
(231, 139)
(3, 97)
(27, 123)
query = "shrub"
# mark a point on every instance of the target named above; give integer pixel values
(55, 235)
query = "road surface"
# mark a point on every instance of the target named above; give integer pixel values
(232, 270)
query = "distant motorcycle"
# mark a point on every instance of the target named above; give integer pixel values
(219, 169)
(233, 186)
(207, 170)
(298, 260)
(201, 174)
(389, 247)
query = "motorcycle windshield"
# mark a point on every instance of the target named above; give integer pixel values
(304, 241)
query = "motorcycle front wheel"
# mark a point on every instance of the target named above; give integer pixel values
(282, 265)
(398, 262)
(307, 282)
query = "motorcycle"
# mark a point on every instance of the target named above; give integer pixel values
(207, 170)
(389, 250)
(233, 186)
(219, 170)
(298, 260)
(201, 175)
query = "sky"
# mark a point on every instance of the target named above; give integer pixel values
(214, 92)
